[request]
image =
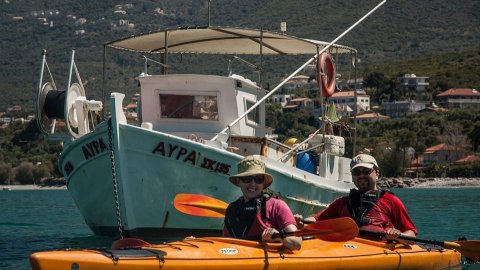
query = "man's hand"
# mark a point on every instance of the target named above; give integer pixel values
(299, 220)
(393, 234)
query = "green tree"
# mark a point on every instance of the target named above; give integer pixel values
(39, 172)
(453, 135)
(24, 173)
(474, 136)
(405, 139)
(272, 113)
(377, 82)
(5, 173)
(389, 160)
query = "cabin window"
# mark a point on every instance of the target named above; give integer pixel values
(254, 115)
(188, 107)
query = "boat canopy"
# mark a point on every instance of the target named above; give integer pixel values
(222, 40)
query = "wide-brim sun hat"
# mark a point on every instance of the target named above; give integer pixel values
(249, 166)
(363, 160)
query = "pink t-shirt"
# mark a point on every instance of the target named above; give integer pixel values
(278, 216)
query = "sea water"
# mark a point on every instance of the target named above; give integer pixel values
(36, 220)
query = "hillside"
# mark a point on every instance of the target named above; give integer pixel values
(445, 71)
(404, 30)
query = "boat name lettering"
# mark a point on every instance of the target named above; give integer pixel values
(228, 251)
(219, 167)
(349, 246)
(94, 148)
(190, 156)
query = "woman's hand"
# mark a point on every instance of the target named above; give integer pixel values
(268, 233)
(291, 242)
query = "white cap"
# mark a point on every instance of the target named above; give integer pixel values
(363, 160)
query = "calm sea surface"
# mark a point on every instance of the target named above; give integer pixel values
(35, 220)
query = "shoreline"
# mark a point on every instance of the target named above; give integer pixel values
(430, 182)
(383, 182)
(30, 187)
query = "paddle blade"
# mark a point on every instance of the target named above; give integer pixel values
(333, 230)
(200, 205)
(468, 248)
(129, 243)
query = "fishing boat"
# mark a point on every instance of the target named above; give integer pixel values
(191, 131)
(124, 175)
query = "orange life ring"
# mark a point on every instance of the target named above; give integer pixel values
(328, 88)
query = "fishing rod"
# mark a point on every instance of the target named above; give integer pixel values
(298, 70)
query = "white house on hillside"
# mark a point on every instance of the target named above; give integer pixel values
(413, 82)
(296, 104)
(295, 82)
(348, 98)
(283, 99)
(459, 98)
(350, 84)
(402, 108)
(370, 117)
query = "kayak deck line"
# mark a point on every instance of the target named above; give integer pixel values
(230, 253)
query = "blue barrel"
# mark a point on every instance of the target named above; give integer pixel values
(307, 162)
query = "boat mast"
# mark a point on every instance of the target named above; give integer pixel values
(298, 70)
(322, 101)
(355, 106)
(165, 55)
(209, 12)
(104, 59)
(261, 58)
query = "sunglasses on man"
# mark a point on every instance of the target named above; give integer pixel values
(259, 179)
(360, 171)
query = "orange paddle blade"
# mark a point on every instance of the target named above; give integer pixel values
(333, 230)
(468, 248)
(200, 205)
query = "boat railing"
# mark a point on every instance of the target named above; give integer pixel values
(147, 60)
(255, 68)
(299, 145)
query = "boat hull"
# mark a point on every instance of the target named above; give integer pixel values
(151, 167)
(227, 253)
(129, 175)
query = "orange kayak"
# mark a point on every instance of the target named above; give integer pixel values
(228, 253)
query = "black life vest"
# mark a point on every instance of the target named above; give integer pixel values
(240, 216)
(360, 204)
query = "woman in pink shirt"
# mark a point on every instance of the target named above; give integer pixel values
(256, 214)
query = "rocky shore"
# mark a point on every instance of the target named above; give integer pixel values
(383, 182)
(29, 187)
(405, 182)
(47, 183)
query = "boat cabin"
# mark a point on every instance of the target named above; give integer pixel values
(199, 106)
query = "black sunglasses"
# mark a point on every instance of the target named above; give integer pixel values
(259, 179)
(360, 171)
